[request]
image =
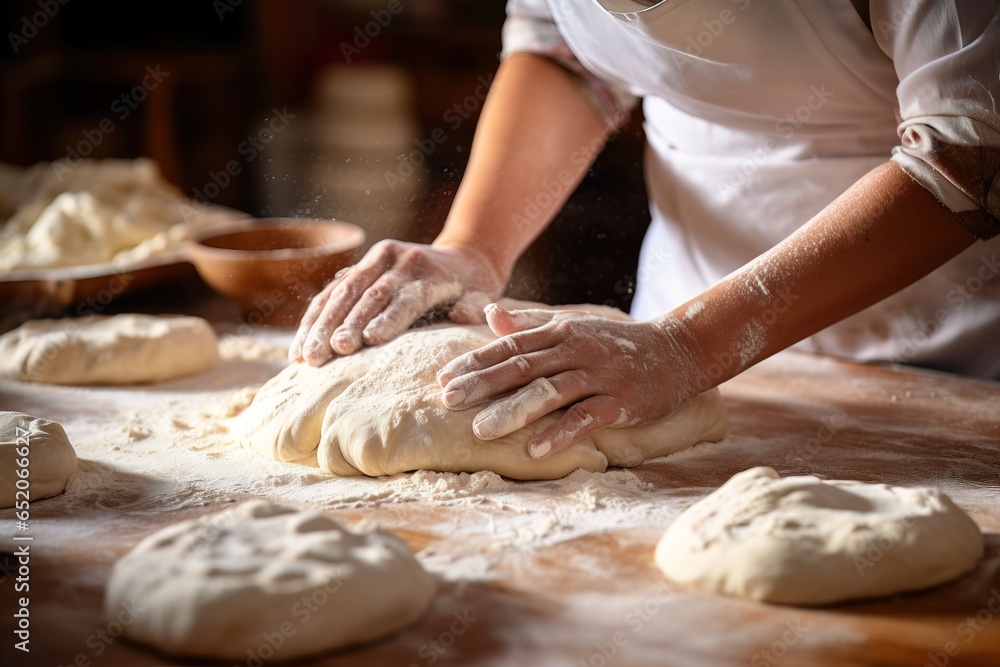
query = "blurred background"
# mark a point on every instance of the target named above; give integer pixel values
(359, 110)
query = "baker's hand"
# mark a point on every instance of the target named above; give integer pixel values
(394, 285)
(612, 374)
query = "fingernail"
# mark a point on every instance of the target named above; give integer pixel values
(540, 450)
(342, 340)
(453, 397)
(486, 427)
(312, 350)
(316, 360)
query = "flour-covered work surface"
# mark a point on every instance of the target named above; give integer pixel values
(555, 572)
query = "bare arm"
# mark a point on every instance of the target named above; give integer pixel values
(537, 129)
(882, 234)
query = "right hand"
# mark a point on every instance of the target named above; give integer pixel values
(394, 285)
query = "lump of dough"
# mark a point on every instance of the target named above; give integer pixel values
(378, 412)
(95, 212)
(804, 540)
(261, 579)
(102, 349)
(51, 458)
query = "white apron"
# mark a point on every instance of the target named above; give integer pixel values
(758, 115)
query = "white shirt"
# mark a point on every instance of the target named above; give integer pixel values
(759, 114)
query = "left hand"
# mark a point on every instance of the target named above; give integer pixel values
(611, 373)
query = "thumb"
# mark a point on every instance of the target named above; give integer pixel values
(504, 322)
(469, 309)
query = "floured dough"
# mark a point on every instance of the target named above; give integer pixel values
(115, 349)
(378, 412)
(262, 579)
(803, 540)
(95, 212)
(50, 456)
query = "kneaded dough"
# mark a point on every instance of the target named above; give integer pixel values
(804, 540)
(51, 457)
(378, 412)
(108, 349)
(263, 578)
(95, 212)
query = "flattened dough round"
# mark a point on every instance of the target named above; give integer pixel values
(378, 412)
(804, 540)
(108, 349)
(222, 585)
(51, 457)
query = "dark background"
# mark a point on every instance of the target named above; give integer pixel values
(362, 102)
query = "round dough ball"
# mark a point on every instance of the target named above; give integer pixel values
(51, 457)
(379, 412)
(262, 578)
(804, 540)
(108, 349)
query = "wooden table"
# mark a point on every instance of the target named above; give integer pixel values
(598, 599)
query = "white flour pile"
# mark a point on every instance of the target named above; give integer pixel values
(95, 212)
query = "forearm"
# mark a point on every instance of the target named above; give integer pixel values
(881, 235)
(535, 141)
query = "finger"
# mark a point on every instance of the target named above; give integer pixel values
(317, 348)
(504, 322)
(412, 302)
(498, 351)
(537, 399)
(312, 313)
(512, 413)
(579, 421)
(472, 389)
(469, 309)
(348, 337)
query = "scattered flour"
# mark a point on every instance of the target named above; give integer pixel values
(693, 310)
(624, 344)
(752, 342)
(153, 451)
(236, 347)
(146, 452)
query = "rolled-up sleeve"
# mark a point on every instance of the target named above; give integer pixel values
(947, 58)
(530, 28)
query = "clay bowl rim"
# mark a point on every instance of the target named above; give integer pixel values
(197, 246)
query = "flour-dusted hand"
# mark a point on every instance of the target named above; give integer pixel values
(606, 372)
(393, 286)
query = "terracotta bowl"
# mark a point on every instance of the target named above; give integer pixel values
(272, 267)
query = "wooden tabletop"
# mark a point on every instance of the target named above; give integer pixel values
(598, 599)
